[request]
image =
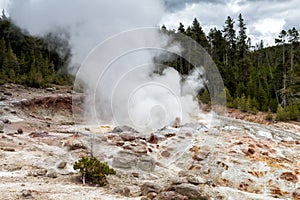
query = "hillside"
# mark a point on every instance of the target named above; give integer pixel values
(30, 60)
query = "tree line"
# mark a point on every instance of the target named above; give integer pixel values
(30, 60)
(256, 78)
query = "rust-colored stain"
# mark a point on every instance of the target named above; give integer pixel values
(289, 176)
(277, 191)
(257, 174)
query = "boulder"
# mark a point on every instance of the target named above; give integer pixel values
(171, 195)
(127, 137)
(191, 191)
(124, 160)
(62, 165)
(20, 131)
(146, 164)
(51, 174)
(153, 139)
(149, 187)
(120, 129)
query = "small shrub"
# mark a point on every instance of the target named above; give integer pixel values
(93, 171)
(281, 114)
(269, 116)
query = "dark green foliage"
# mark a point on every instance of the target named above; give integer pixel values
(32, 61)
(269, 116)
(257, 78)
(93, 171)
(281, 114)
(291, 112)
(204, 97)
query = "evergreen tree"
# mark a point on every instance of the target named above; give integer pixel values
(181, 28)
(242, 38)
(230, 37)
(217, 45)
(198, 34)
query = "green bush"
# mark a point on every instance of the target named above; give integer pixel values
(93, 171)
(291, 112)
(269, 116)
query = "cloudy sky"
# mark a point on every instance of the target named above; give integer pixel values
(264, 18)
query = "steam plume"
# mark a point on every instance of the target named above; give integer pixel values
(121, 85)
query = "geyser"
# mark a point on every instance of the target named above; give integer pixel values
(123, 88)
(118, 75)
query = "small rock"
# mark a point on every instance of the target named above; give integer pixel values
(27, 194)
(126, 191)
(76, 145)
(148, 187)
(135, 174)
(52, 174)
(7, 93)
(127, 137)
(13, 112)
(151, 195)
(139, 149)
(195, 180)
(165, 154)
(191, 191)
(8, 149)
(146, 164)
(6, 121)
(171, 195)
(153, 139)
(39, 134)
(20, 131)
(170, 134)
(62, 165)
(119, 129)
(39, 172)
(50, 89)
(176, 123)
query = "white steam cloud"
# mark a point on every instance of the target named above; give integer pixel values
(118, 74)
(87, 21)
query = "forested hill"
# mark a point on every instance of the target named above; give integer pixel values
(256, 77)
(32, 61)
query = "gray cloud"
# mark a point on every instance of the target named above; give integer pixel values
(264, 18)
(175, 5)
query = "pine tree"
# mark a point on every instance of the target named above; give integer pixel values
(230, 37)
(242, 38)
(217, 45)
(198, 34)
(181, 28)
(2, 52)
(10, 65)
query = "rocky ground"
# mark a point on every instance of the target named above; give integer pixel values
(232, 159)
